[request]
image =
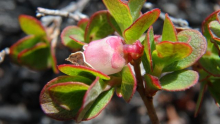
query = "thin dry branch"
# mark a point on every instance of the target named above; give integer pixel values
(4, 52)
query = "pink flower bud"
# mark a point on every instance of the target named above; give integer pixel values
(105, 55)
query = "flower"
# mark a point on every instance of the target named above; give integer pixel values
(106, 55)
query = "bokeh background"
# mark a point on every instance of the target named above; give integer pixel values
(20, 87)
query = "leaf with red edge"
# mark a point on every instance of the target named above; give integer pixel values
(169, 32)
(213, 88)
(31, 25)
(128, 84)
(211, 63)
(152, 84)
(179, 80)
(77, 35)
(214, 30)
(120, 11)
(134, 32)
(98, 27)
(168, 52)
(37, 57)
(100, 103)
(68, 95)
(203, 86)
(94, 91)
(197, 42)
(135, 8)
(22, 44)
(50, 107)
(149, 47)
(205, 24)
(83, 23)
(74, 70)
(114, 24)
(53, 58)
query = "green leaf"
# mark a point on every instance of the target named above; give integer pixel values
(30, 25)
(53, 58)
(168, 52)
(205, 24)
(50, 107)
(77, 35)
(152, 84)
(114, 24)
(120, 11)
(135, 8)
(214, 90)
(173, 51)
(200, 98)
(128, 84)
(68, 95)
(169, 31)
(98, 27)
(135, 31)
(74, 70)
(94, 91)
(37, 57)
(179, 80)
(214, 30)
(100, 103)
(24, 43)
(83, 23)
(198, 44)
(149, 47)
(211, 63)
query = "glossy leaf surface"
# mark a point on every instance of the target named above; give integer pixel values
(74, 70)
(135, 31)
(152, 84)
(95, 89)
(30, 25)
(121, 13)
(22, 44)
(68, 95)
(83, 23)
(135, 8)
(100, 103)
(149, 47)
(77, 35)
(98, 27)
(179, 80)
(128, 84)
(37, 57)
(51, 108)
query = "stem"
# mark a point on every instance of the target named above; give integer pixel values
(147, 99)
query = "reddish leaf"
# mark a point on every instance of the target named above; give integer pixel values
(152, 84)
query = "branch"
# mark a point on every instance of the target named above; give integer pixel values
(4, 52)
(76, 15)
(147, 99)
